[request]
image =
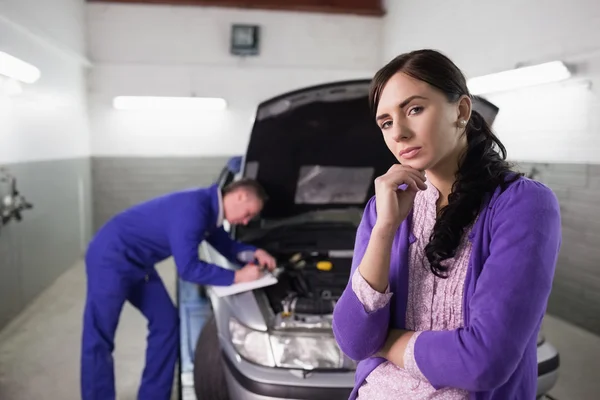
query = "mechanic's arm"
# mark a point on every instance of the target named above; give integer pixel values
(508, 304)
(361, 316)
(238, 252)
(230, 248)
(186, 232)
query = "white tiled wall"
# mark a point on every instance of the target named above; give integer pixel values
(44, 142)
(180, 51)
(555, 123)
(49, 119)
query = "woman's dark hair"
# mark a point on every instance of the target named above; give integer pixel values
(482, 167)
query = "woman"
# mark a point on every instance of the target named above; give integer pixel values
(455, 254)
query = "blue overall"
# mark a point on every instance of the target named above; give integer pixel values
(120, 267)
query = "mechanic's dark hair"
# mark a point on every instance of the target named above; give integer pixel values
(482, 168)
(250, 185)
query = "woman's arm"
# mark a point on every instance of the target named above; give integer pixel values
(396, 345)
(361, 328)
(375, 264)
(510, 299)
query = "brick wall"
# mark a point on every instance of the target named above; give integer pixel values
(576, 292)
(120, 182)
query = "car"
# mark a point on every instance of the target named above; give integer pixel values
(316, 151)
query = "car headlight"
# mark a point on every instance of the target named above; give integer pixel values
(306, 352)
(294, 351)
(251, 344)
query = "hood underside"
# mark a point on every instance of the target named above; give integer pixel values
(316, 148)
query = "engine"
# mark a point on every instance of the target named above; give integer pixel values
(309, 286)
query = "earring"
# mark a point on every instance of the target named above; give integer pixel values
(462, 123)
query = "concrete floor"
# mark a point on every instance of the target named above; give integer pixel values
(39, 350)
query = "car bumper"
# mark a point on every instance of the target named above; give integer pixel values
(548, 365)
(244, 388)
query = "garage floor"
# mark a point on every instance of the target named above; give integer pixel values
(39, 351)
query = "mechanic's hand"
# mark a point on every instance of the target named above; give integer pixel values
(265, 259)
(394, 204)
(248, 273)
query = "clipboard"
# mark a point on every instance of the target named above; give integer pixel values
(265, 280)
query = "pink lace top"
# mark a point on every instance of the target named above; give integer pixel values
(433, 304)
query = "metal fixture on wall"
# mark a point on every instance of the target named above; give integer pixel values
(12, 203)
(245, 40)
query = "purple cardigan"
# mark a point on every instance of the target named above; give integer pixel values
(516, 240)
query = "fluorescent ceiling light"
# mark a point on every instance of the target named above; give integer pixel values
(168, 103)
(554, 71)
(17, 69)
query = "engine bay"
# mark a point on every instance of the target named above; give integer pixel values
(310, 284)
(314, 259)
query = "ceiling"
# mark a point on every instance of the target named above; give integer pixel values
(360, 7)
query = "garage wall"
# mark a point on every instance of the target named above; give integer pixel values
(576, 291)
(554, 128)
(123, 181)
(44, 142)
(182, 51)
(556, 123)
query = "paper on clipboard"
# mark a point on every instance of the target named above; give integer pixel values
(266, 280)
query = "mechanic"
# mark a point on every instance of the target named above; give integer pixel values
(120, 266)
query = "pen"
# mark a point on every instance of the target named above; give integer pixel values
(264, 268)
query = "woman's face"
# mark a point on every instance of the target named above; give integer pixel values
(420, 127)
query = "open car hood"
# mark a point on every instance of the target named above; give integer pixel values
(316, 148)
